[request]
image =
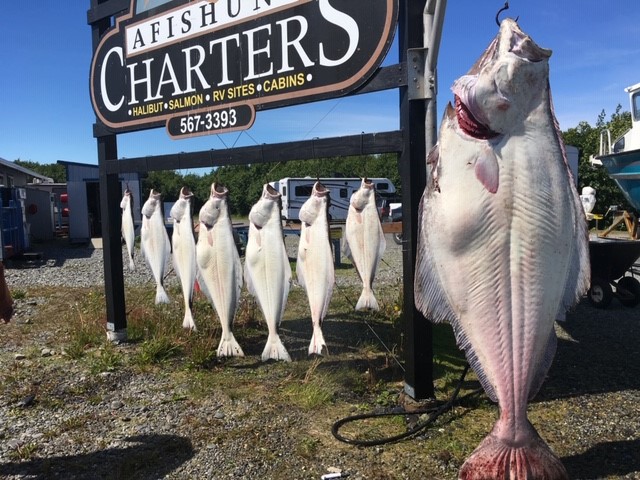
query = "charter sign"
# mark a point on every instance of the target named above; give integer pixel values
(202, 67)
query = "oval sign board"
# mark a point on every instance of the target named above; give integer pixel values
(205, 67)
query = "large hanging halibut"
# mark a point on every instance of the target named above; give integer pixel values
(503, 245)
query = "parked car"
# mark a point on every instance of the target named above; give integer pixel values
(382, 204)
(395, 215)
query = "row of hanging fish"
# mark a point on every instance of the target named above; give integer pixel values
(215, 263)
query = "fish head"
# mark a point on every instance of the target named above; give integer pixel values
(364, 196)
(316, 205)
(215, 206)
(181, 208)
(186, 193)
(503, 86)
(268, 207)
(152, 204)
(127, 199)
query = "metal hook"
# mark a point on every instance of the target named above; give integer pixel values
(506, 7)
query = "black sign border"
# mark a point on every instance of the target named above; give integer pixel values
(276, 101)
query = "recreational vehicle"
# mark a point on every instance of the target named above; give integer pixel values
(296, 191)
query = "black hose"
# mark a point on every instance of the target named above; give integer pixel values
(434, 412)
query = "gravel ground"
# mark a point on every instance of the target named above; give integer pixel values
(143, 425)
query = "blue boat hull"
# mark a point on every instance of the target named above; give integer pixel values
(624, 168)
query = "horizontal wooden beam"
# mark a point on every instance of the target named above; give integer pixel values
(363, 144)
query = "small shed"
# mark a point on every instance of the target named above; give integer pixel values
(83, 194)
(15, 219)
(13, 175)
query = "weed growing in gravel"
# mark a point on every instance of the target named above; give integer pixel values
(307, 447)
(157, 350)
(107, 359)
(23, 452)
(18, 294)
(310, 395)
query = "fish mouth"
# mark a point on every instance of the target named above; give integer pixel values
(469, 124)
(218, 190)
(320, 190)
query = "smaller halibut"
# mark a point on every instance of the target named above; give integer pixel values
(364, 241)
(267, 271)
(184, 252)
(220, 269)
(314, 267)
(154, 242)
(128, 230)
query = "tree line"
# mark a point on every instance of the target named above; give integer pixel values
(245, 182)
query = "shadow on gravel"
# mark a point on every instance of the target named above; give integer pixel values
(50, 254)
(597, 360)
(150, 457)
(599, 460)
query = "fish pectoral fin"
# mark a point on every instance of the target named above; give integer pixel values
(429, 294)
(487, 170)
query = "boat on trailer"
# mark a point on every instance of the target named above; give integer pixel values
(621, 158)
(613, 260)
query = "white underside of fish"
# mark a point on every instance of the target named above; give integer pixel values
(268, 277)
(184, 262)
(220, 278)
(500, 267)
(128, 233)
(315, 272)
(365, 245)
(156, 248)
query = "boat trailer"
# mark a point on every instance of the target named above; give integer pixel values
(614, 269)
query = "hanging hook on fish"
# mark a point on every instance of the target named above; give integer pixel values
(505, 7)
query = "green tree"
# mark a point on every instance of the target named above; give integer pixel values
(54, 170)
(167, 182)
(587, 139)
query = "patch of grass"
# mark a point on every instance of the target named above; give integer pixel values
(307, 447)
(157, 350)
(200, 352)
(83, 340)
(313, 391)
(310, 395)
(349, 379)
(18, 294)
(23, 452)
(107, 359)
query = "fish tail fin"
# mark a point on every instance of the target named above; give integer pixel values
(367, 300)
(317, 345)
(274, 349)
(188, 322)
(495, 458)
(161, 295)
(229, 347)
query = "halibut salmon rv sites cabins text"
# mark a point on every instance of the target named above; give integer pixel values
(295, 191)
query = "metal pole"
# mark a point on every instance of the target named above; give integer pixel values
(418, 381)
(433, 22)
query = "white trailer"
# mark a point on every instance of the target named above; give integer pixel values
(296, 191)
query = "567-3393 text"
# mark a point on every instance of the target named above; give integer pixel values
(226, 119)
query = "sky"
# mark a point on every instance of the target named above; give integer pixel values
(45, 56)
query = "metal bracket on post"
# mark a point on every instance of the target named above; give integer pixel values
(418, 85)
(116, 336)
